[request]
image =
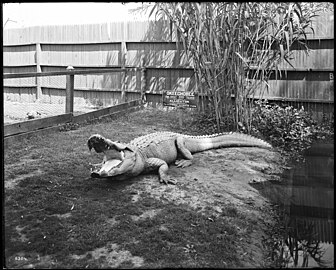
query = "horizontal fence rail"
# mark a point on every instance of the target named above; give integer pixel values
(27, 126)
(67, 72)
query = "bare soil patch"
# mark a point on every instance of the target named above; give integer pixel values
(62, 218)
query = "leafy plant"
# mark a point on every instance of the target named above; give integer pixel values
(69, 126)
(205, 123)
(287, 127)
(235, 47)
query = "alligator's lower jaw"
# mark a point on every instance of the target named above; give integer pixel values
(102, 171)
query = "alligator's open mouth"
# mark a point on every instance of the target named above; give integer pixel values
(102, 170)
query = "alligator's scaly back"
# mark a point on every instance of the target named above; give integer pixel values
(230, 139)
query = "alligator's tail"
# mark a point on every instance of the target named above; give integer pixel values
(231, 139)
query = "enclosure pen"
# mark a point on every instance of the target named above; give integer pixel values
(23, 129)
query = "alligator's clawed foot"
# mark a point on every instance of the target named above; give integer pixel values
(183, 163)
(167, 180)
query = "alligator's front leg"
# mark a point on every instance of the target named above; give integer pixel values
(185, 153)
(162, 166)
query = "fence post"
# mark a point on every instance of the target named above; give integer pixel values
(69, 98)
(143, 79)
(38, 69)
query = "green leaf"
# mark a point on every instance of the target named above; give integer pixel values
(282, 52)
(289, 63)
(287, 40)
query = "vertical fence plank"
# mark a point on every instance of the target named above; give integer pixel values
(123, 52)
(38, 69)
(143, 78)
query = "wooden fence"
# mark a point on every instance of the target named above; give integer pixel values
(17, 131)
(151, 45)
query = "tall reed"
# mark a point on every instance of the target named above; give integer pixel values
(236, 47)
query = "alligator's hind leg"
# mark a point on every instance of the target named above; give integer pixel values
(162, 166)
(185, 153)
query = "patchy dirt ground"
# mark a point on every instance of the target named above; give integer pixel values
(56, 216)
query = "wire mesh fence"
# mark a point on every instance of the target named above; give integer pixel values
(18, 111)
(39, 96)
(25, 98)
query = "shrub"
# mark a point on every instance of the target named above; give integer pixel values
(286, 127)
(205, 123)
(290, 130)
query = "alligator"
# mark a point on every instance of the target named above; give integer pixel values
(156, 150)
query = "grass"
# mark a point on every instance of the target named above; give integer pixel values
(87, 229)
(67, 218)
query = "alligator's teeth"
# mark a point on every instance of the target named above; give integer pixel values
(122, 155)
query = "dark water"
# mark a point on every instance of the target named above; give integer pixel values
(306, 196)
